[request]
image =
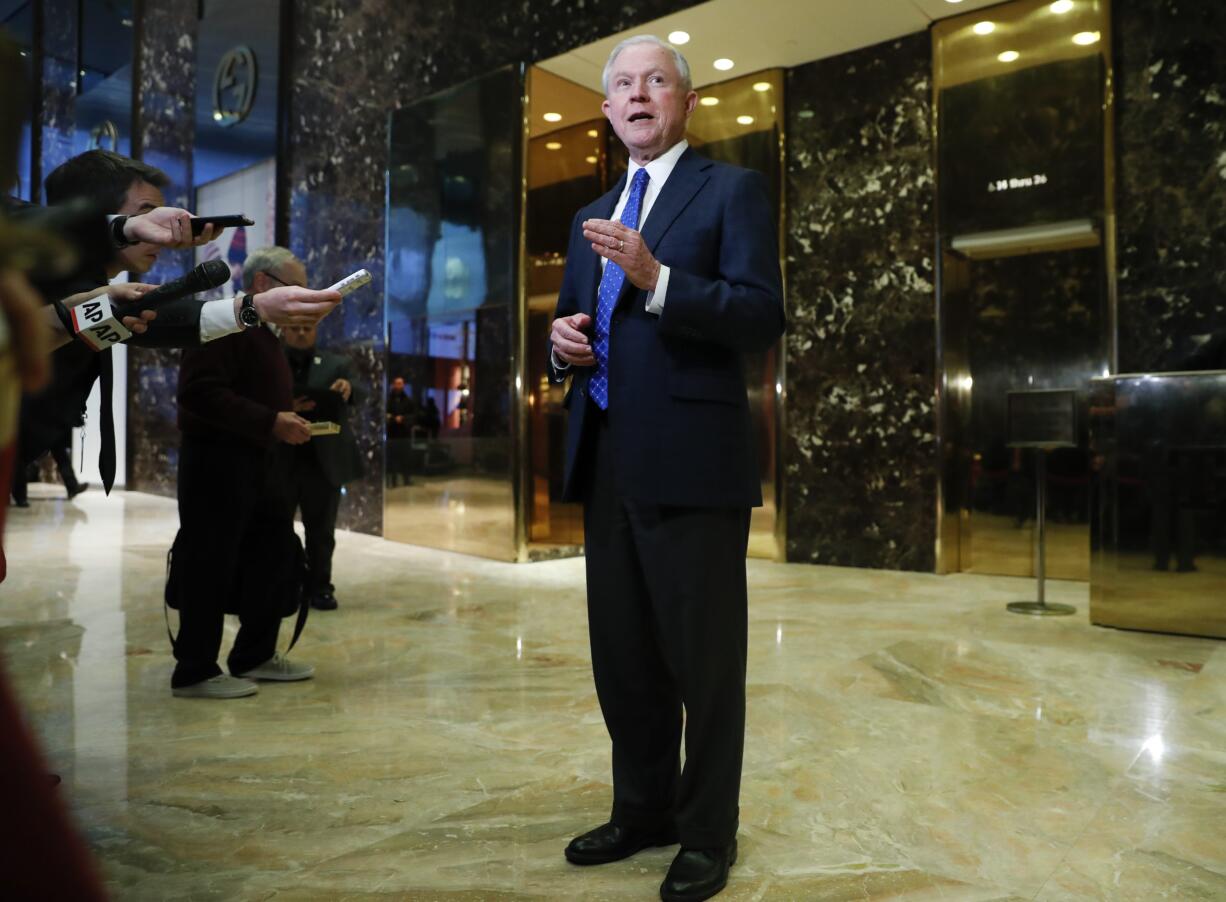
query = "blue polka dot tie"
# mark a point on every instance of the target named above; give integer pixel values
(606, 298)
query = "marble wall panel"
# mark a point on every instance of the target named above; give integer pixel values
(860, 448)
(59, 83)
(353, 64)
(1171, 177)
(165, 131)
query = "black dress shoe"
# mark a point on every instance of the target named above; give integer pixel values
(324, 601)
(612, 842)
(698, 874)
(77, 490)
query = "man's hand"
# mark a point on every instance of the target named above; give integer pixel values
(289, 305)
(166, 227)
(20, 305)
(120, 293)
(303, 404)
(570, 342)
(291, 428)
(625, 247)
(342, 387)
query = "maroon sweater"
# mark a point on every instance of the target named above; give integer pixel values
(234, 387)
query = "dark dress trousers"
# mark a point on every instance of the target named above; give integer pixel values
(318, 469)
(667, 476)
(233, 515)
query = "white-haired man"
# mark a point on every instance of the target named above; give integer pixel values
(669, 278)
(234, 550)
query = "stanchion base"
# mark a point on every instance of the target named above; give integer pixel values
(1040, 609)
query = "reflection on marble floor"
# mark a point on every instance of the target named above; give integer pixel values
(908, 739)
(998, 545)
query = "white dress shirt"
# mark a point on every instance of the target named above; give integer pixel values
(217, 320)
(658, 171)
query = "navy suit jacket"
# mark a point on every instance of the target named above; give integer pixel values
(678, 412)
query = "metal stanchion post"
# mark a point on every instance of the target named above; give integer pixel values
(1041, 607)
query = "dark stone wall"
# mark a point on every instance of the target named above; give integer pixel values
(1170, 75)
(860, 449)
(166, 90)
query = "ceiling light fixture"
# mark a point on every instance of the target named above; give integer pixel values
(1086, 37)
(591, 160)
(709, 101)
(552, 117)
(723, 64)
(761, 86)
(592, 133)
(553, 145)
(984, 27)
(678, 37)
(745, 120)
(1008, 56)
(1060, 7)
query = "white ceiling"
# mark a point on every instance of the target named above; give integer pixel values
(764, 34)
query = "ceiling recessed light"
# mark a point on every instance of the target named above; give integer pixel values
(1086, 37)
(953, 1)
(592, 133)
(592, 160)
(678, 37)
(762, 86)
(1060, 7)
(984, 27)
(1008, 56)
(553, 145)
(745, 120)
(710, 101)
(723, 64)
(552, 117)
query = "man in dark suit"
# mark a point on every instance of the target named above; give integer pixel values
(401, 416)
(670, 278)
(324, 391)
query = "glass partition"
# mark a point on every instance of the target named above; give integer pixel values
(451, 317)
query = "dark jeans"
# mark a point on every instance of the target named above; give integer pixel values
(232, 524)
(667, 614)
(318, 499)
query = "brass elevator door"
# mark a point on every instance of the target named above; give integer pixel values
(1030, 321)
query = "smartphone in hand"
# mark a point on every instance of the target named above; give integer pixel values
(229, 221)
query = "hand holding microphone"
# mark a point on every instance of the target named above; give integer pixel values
(102, 325)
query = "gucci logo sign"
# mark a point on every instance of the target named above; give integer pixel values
(234, 86)
(104, 136)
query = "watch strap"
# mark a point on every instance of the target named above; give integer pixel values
(117, 236)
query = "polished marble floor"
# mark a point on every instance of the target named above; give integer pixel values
(908, 739)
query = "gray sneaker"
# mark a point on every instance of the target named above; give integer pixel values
(281, 669)
(220, 686)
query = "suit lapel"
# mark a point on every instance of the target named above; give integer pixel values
(601, 209)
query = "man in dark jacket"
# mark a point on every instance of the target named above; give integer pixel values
(401, 416)
(233, 551)
(316, 471)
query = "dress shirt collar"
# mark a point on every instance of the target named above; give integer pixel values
(659, 169)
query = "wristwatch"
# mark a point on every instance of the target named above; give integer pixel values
(117, 236)
(248, 317)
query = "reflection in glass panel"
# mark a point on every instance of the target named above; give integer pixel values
(103, 111)
(451, 280)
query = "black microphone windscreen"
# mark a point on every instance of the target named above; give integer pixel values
(213, 273)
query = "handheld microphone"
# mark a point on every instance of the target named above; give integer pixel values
(99, 323)
(208, 274)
